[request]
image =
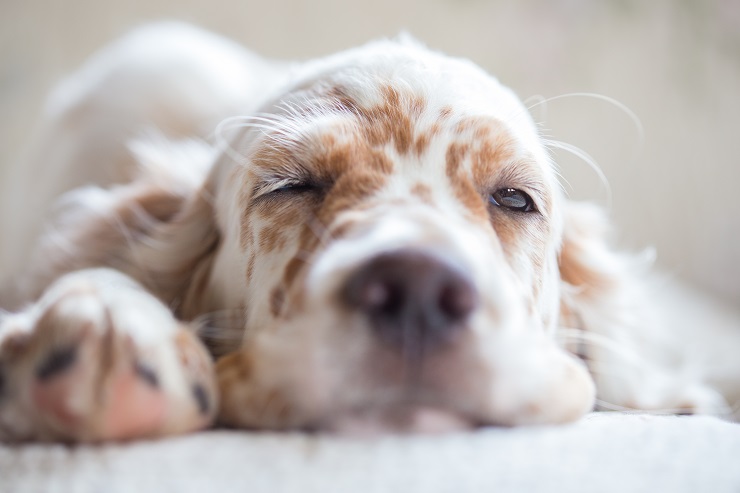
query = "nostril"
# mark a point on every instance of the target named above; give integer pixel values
(408, 292)
(381, 299)
(457, 300)
(378, 295)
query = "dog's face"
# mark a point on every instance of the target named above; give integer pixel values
(391, 228)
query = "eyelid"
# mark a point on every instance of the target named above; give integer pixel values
(524, 175)
(267, 187)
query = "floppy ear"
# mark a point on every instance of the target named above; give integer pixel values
(613, 315)
(601, 288)
(174, 260)
(173, 257)
(158, 229)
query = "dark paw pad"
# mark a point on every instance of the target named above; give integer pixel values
(201, 398)
(57, 362)
(147, 374)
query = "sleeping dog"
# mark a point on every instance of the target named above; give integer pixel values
(372, 240)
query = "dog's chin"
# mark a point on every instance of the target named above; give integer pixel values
(403, 420)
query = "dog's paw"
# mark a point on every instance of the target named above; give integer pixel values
(98, 358)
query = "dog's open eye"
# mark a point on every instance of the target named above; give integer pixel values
(513, 199)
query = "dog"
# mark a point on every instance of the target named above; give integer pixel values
(375, 240)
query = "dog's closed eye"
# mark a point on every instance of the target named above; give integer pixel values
(288, 188)
(296, 188)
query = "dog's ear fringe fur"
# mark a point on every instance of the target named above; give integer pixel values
(159, 229)
(601, 289)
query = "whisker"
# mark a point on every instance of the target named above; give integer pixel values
(59, 240)
(221, 331)
(131, 240)
(222, 142)
(586, 158)
(541, 101)
(278, 130)
(603, 405)
(597, 340)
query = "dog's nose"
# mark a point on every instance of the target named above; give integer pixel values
(411, 297)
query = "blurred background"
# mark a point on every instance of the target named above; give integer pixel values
(675, 64)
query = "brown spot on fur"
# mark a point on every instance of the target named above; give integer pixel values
(250, 267)
(390, 122)
(348, 192)
(295, 265)
(456, 154)
(272, 237)
(461, 181)
(577, 270)
(491, 154)
(236, 366)
(425, 138)
(245, 402)
(277, 299)
(422, 143)
(423, 191)
(584, 248)
(336, 159)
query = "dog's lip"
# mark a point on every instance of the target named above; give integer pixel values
(403, 419)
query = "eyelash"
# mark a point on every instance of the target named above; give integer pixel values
(294, 188)
(286, 187)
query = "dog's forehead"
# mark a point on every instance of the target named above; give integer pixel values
(410, 100)
(413, 119)
(412, 68)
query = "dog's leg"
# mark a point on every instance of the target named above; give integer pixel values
(98, 358)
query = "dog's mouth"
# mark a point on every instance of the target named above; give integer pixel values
(402, 419)
(409, 410)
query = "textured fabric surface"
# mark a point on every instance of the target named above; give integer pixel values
(601, 453)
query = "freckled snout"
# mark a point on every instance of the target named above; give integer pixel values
(411, 298)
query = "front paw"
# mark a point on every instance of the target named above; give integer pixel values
(102, 361)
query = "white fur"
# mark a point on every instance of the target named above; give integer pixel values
(183, 82)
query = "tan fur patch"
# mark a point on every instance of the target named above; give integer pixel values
(277, 299)
(244, 403)
(393, 121)
(461, 181)
(423, 191)
(308, 242)
(250, 266)
(584, 247)
(577, 270)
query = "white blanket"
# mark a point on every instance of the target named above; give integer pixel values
(601, 453)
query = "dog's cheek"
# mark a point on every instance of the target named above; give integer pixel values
(245, 403)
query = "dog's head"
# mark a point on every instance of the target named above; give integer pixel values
(391, 226)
